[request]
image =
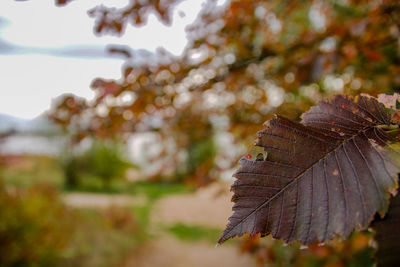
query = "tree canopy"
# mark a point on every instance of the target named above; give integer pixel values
(245, 61)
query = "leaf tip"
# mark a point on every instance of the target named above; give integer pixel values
(221, 240)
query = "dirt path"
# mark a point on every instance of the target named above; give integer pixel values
(166, 251)
(95, 200)
(209, 207)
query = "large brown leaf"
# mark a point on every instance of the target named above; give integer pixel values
(322, 177)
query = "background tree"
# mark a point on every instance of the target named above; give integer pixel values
(245, 61)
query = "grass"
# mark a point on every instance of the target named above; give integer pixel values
(142, 214)
(103, 238)
(151, 190)
(93, 184)
(194, 233)
(156, 191)
(26, 171)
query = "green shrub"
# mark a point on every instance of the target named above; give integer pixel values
(194, 232)
(103, 238)
(104, 160)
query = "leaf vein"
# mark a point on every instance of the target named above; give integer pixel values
(363, 203)
(312, 199)
(346, 209)
(370, 171)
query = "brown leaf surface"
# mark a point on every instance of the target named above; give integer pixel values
(323, 177)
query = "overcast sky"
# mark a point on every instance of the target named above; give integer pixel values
(42, 48)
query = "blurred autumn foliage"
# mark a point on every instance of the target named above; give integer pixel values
(34, 226)
(354, 252)
(245, 61)
(38, 229)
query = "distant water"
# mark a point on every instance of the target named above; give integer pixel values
(139, 148)
(32, 144)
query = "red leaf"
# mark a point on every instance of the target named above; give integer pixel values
(323, 177)
(372, 54)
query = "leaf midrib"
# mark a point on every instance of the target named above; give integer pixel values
(301, 174)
